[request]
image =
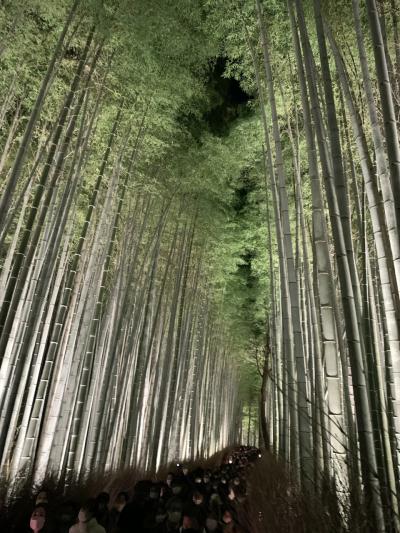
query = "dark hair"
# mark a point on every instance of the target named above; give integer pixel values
(40, 506)
(142, 487)
(90, 505)
(103, 497)
(42, 489)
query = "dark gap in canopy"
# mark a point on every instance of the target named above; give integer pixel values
(226, 102)
(228, 99)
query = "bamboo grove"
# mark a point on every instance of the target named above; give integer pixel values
(326, 80)
(111, 338)
(169, 287)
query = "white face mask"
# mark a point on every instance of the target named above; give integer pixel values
(197, 501)
(185, 471)
(37, 523)
(227, 519)
(160, 518)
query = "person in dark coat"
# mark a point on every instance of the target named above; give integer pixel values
(66, 516)
(196, 508)
(132, 516)
(119, 504)
(102, 512)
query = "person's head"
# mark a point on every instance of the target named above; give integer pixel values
(174, 516)
(176, 488)
(190, 523)
(198, 475)
(185, 470)
(87, 511)
(38, 518)
(215, 498)
(169, 479)
(68, 513)
(160, 515)
(141, 489)
(121, 500)
(211, 523)
(231, 494)
(227, 517)
(154, 492)
(187, 522)
(42, 497)
(102, 500)
(197, 498)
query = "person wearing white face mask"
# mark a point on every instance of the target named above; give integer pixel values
(196, 508)
(38, 519)
(87, 522)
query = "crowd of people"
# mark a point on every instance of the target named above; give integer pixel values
(198, 500)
